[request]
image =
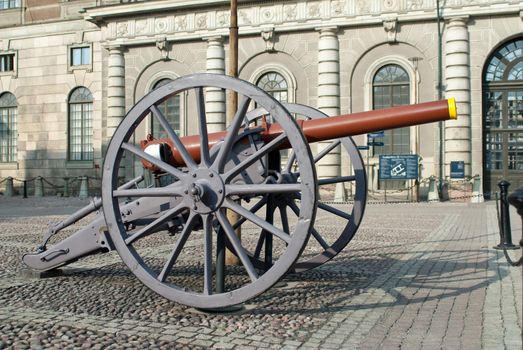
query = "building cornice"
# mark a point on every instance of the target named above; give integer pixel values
(140, 22)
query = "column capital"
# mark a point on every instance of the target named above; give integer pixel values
(458, 20)
(327, 30)
(214, 39)
(115, 48)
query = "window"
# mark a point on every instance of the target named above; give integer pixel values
(276, 85)
(80, 124)
(503, 116)
(170, 108)
(80, 56)
(8, 134)
(9, 4)
(7, 62)
(391, 87)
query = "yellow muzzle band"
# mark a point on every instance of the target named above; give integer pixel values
(453, 111)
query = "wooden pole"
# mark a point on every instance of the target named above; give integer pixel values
(232, 106)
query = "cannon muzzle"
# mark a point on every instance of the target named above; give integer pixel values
(317, 130)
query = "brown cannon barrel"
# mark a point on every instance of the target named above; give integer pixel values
(334, 127)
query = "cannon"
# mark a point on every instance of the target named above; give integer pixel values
(172, 231)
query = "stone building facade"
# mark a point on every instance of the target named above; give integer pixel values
(74, 67)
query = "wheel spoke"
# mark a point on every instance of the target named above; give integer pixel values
(258, 221)
(174, 137)
(320, 239)
(255, 156)
(207, 272)
(315, 233)
(240, 251)
(284, 219)
(155, 161)
(334, 211)
(290, 162)
(261, 188)
(167, 191)
(336, 180)
(232, 133)
(205, 158)
(253, 210)
(259, 245)
(326, 150)
(155, 224)
(178, 246)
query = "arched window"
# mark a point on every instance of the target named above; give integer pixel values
(80, 124)
(170, 108)
(8, 134)
(503, 116)
(391, 87)
(275, 84)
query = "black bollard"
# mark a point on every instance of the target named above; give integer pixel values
(516, 199)
(506, 241)
(25, 188)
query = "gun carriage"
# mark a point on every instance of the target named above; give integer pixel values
(261, 168)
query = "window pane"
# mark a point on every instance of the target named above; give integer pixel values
(76, 55)
(86, 55)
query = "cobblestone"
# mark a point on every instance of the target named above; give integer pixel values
(414, 277)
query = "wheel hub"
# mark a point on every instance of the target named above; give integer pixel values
(204, 191)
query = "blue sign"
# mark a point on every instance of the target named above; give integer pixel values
(399, 167)
(363, 148)
(376, 143)
(375, 135)
(457, 169)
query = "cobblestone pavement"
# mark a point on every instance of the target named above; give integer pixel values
(416, 276)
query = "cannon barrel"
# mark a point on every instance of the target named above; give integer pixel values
(322, 129)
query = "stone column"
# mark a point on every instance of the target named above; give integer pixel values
(457, 75)
(115, 89)
(329, 96)
(215, 97)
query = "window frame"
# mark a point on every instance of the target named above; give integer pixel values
(12, 139)
(14, 71)
(390, 86)
(83, 160)
(181, 98)
(70, 66)
(15, 2)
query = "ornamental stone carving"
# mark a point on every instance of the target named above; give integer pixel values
(244, 17)
(163, 46)
(337, 7)
(141, 27)
(180, 23)
(289, 12)
(122, 29)
(160, 25)
(414, 4)
(268, 36)
(201, 21)
(390, 5)
(362, 6)
(390, 26)
(222, 19)
(267, 14)
(314, 10)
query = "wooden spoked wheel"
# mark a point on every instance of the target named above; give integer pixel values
(345, 217)
(182, 267)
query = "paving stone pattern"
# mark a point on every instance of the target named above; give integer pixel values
(416, 276)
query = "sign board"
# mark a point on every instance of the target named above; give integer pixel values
(363, 147)
(457, 169)
(398, 167)
(376, 143)
(375, 135)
